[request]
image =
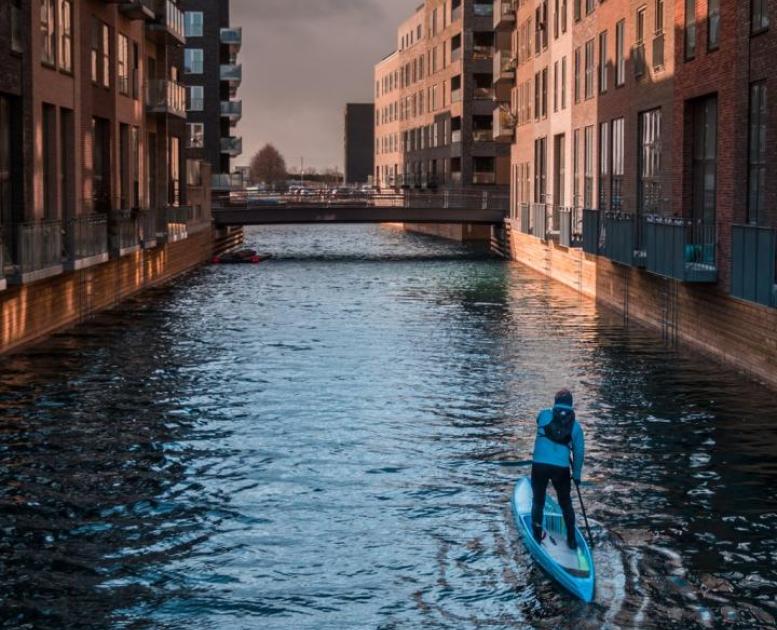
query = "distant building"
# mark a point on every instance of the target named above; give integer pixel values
(212, 77)
(359, 141)
(437, 98)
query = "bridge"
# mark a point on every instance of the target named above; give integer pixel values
(242, 208)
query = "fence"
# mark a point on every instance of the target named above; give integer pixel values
(681, 249)
(39, 245)
(87, 237)
(754, 264)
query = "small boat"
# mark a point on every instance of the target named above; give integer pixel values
(241, 257)
(574, 570)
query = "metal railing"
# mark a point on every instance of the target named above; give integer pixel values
(504, 13)
(754, 264)
(682, 249)
(483, 10)
(177, 219)
(592, 237)
(166, 97)
(150, 232)
(171, 18)
(38, 245)
(86, 237)
(123, 230)
(483, 135)
(539, 220)
(230, 72)
(570, 227)
(232, 110)
(504, 66)
(231, 36)
(232, 146)
(618, 229)
(525, 212)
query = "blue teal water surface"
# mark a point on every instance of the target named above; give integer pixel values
(319, 442)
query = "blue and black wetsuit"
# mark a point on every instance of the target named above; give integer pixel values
(550, 462)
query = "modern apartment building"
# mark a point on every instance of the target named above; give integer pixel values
(643, 137)
(359, 139)
(212, 76)
(436, 98)
(92, 121)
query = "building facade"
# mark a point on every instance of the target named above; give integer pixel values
(92, 163)
(437, 98)
(212, 76)
(359, 140)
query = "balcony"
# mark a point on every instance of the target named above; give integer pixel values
(525, 217)
(225, 182)
(138, 10)
(232, 38)
(681, 249)
(569, 227)
(482, 135)
(38, 251)
(123, 233)
(151, 233)
(86, 241)
(169, 22)
(456, 95)
(177, 220)
(232, 74)
(480, 52)
(480, 9)
(484, 178)
(232, 110)
(504, 123)
(504, 15)
(232, 146)
(754, 264)
(539, 221)
(483, 93)
(504, 67)
(166, 97)
(618, 234)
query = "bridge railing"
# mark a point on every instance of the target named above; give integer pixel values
(447, 199)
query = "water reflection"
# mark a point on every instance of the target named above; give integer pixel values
(318, 442)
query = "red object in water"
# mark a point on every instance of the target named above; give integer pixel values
(216, 260)
(256, 259)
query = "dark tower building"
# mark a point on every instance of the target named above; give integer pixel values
(212, 77)
(359, 142)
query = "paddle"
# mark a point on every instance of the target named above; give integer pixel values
(585, 517)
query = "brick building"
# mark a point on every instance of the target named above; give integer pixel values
(436, 98)
(212, 76)
(92, 121)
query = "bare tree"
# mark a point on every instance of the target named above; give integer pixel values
(268, 166)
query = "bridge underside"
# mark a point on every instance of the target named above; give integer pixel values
(290, 215)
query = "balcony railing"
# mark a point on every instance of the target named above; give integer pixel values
(138, 9)
(570, 226)
(487, 93)
(539, 220)
(233, 110)
(232, 146)
(482, 52)
(504, 123)
(456, 95)
(504, 67)
(592, 241)
(483, 177)
(150, 230)
(754, 264)
(39, 249)
(166, 97)
(87, 240)
(525, 214)
(681, 249)
(504, 14)
(483, 135)
(123, 230)
(231, 73)
(455, 136)
(177, 220)
(618, 230)
(455, 54)
(232, 37)
(169, 20)
(227, 181)
(483, 10)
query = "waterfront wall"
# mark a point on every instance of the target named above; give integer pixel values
(30, 312)
(458, 232)
(739, 333)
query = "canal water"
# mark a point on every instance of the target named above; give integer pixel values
(324, 441)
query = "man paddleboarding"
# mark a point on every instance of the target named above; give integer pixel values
(559, 438)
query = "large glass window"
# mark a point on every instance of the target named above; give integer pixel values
(106, 55)
(616, 194)
(122, 63)
(620, 53)
(17, 28)
(196, 98)
(193, 22)
(604, 163)
(589, 69)
(713, 24)
(540, 169)
(690, 29)
(704, 113)
(195, 136)
(759, 15)
(757, 153)
(603, 62)
(650, 162)
(588, 167)
(193, 61)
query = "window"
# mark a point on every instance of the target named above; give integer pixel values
(540, 169)
(193, 61)
(759, 15)
(10, 161)
(588, 167)
(639, 44)
(95, 51)
(106, 55)
(604, 163)
(174, 162)
(47, 32)
(578, 9)
(555, 86)
(690, 29)
(620, 56)
(559, 169)
(195, 135)
(577, 75)
(649, 190)
(757, 153)
(603, 62)
(66, 35)
(616, 194)
(49, 148)
(564, 11)
(122, 63)
(589, 69)
(589, 6)
(576, 168)
(563, 83)
(196, 98)
(704, 114)
(17, 30)
(193, 23)
(659, 16)
(713, 24)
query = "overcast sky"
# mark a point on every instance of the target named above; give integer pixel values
(302, 61)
